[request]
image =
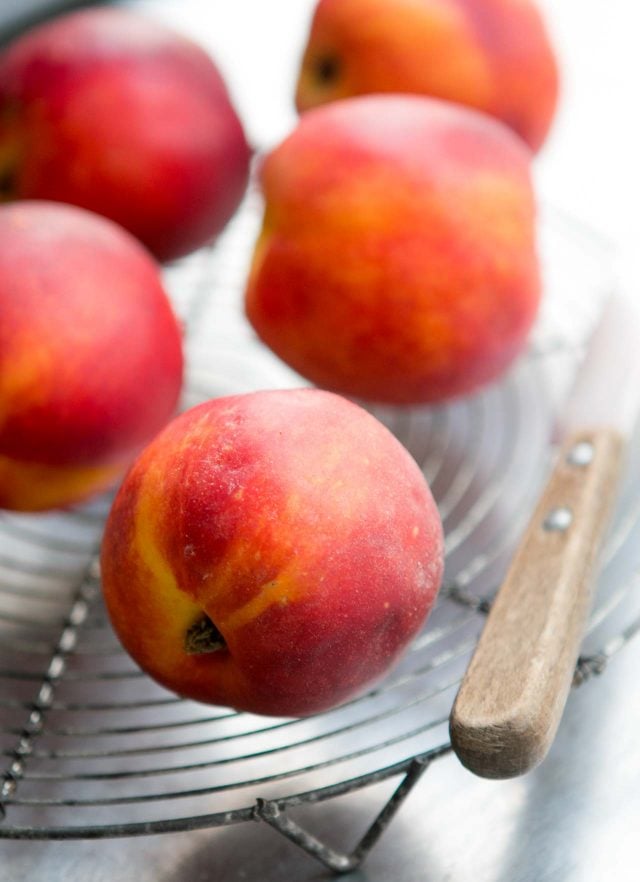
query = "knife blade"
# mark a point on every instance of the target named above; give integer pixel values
(512, 696)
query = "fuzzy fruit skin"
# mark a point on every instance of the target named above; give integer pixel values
(90, 354)
(493, 55)
(110, 111)
(397, 261)
(299, 524)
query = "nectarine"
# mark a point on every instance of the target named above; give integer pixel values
(90, 354)
(494, 55)
(274, 552)
(106, 109)
(397, 260)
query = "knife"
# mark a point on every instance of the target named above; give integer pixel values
(512, 696)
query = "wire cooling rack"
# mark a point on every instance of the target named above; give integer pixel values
(92, 748)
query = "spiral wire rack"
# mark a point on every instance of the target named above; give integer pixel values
(92, 748)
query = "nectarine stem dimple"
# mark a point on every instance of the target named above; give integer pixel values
(10, 150)
(327, 68)
(7, 181)
(202, 637)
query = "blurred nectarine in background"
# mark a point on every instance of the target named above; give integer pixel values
(397, 260)
(494, 55)
(90, 354)
(106, 109)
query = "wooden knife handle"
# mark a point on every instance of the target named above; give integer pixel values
(511, 699)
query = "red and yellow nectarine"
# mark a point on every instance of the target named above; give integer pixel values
(493, 55)
(106, 109)
(397, 260)
(274, 552)
(90, 354)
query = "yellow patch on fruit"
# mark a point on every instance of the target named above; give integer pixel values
(278, 592)
(184, 610)
(501, 205)
(30, 486)
(23, 376)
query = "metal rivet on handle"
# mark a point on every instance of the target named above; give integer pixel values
(558, 519)
(581, 454)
